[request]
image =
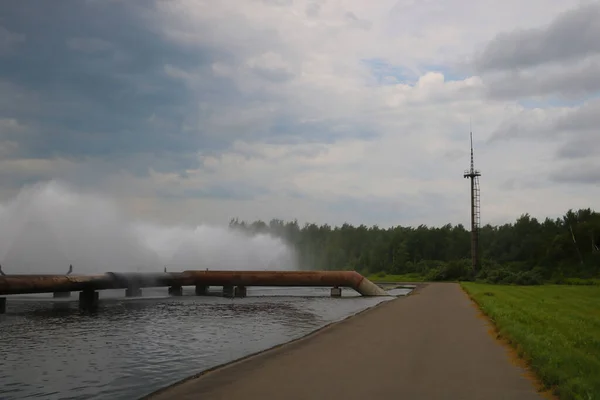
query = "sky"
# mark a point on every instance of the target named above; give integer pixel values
(191, 111)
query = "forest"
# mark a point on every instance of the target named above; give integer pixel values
(526, 252)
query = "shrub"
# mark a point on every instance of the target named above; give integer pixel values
(581, 282)
(434, 274)
(450, 271)
(528, 278)
(504, 276)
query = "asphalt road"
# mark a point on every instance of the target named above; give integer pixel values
(429, 345)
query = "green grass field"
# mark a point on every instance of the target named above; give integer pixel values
(580, 282)
(395, 278)
(556, 329)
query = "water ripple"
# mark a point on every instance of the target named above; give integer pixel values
(131, 347)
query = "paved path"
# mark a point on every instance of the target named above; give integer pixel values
(430, 345)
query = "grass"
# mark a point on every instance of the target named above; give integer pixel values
(556, 329)
(579, 281)
(395, 278)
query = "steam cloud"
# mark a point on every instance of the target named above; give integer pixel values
(48, 226)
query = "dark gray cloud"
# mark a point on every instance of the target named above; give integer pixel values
(584, 173)
(575, 132)
(89, 81)
(555, 63)
(569, 82)
(572, 35)
(580, 147)
(581, 128)
(108, 84)
(578, 123)
(89, 45)
(585, 118)
(526, 124)
(560, 60)
(8, 40)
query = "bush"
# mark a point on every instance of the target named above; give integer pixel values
(505, 276)
(558, 278)
(434, 274)
(528, 278)
(581, 282)
(450, 271)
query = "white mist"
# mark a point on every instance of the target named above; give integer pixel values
(49, 226)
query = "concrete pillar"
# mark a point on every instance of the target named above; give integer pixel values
(201, 290)
(2, 305)
(228, 291)
(336, 292)
(61, 295)
(240, 291)
(88, 299)
(133, 291)
(175, 291)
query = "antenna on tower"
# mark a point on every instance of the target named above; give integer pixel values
(474, 175)
(472, 158)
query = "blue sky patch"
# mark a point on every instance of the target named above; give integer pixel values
(385, 73)
(556, 101)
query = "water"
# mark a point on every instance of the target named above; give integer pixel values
(131, 347)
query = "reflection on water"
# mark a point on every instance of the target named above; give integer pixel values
(131, 347)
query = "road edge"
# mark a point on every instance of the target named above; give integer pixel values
(511, 350)
(273, 349)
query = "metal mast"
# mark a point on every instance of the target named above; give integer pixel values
(474, 175)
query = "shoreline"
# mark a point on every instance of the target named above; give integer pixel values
(433, 345)
(265, 352)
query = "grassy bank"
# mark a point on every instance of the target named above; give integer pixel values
(578, 282)
(395, 278)
(556, 329)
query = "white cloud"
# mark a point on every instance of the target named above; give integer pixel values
(414, 126)
(311, 134)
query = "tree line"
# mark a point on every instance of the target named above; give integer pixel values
(527, 251)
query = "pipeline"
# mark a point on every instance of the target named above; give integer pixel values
(22, 284)
(349, 279)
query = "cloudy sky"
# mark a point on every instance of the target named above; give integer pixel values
(322, 110)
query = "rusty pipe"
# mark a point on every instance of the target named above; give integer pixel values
(350, 279)
(21, 284)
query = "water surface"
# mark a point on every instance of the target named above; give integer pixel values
(132, 347)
